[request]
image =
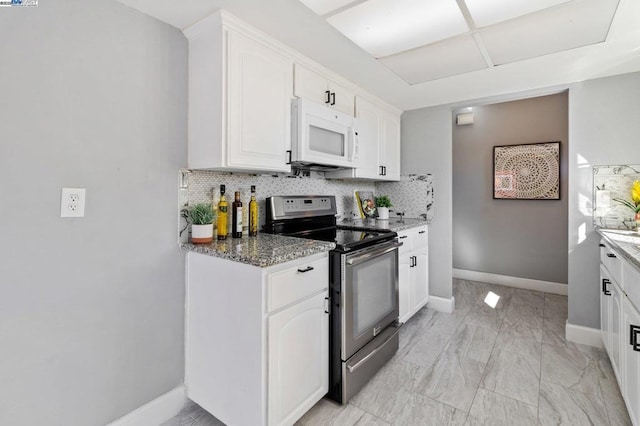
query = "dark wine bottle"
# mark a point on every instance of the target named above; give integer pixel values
(236, 224)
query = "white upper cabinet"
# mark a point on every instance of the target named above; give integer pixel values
(379, 140)
(322, 89)
(389, 146)
(240, 91)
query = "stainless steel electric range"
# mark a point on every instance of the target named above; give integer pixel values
(363, 286)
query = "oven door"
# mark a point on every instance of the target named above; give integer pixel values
(369, 294)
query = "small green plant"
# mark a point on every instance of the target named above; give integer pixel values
(383, 201)
(201, 214)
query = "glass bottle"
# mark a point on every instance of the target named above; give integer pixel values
(236, 224)
(222, 215)
(253, 213)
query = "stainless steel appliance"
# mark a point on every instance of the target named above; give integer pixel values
(363, 279)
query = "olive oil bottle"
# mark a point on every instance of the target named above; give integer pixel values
(253, 213)
(236, 225)
(223, 206)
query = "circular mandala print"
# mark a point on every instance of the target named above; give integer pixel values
(527, 171)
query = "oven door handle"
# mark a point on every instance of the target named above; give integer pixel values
(358, 364)
(355, 260)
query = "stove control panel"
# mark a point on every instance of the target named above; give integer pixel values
(306, 204)
(295, 206)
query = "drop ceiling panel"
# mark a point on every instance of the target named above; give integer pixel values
(454, 56)
(575, 24)
(487, 12)
(322, 7)
(385, 27)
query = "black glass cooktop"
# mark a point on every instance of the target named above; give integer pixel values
(347, 239)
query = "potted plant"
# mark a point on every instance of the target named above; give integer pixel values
(201, 218)
(382, 205)
(634, 204)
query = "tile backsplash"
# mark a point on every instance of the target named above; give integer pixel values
(413, 194)
(610, 183)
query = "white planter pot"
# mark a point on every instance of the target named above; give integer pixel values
(202, 234)
(383, 213)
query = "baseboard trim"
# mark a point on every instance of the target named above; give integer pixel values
(583, 335)
(442, 304)
(155, 412)
(517, 282)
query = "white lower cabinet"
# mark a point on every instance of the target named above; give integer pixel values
(610, 317)
(620, 324)
(413, 285)
(630, 384)
(298, 360)
(257, 339)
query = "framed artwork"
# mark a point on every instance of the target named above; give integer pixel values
(527, 172)
(366, 204)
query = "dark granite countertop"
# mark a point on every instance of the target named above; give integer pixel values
(262, 251)
(627, 243)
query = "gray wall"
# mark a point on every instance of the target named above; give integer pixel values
(426, 148)
(93, 95)
(604, 128)
(518, 238)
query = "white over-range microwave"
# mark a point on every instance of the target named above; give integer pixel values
(322, 138)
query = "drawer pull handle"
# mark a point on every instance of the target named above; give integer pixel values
(605, 281)
(611, 255)
(421, 232)
(602, 245)
(633, 334)
(307, 269)
(403, 236)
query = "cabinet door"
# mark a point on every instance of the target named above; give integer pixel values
(404, 287)
(342, 98)
(389, 155)
(311, 85)
(614, 326)
(368, 128)
(631, 363)
(298, 341)
(259, 105)
(420, 280)
(604, 311)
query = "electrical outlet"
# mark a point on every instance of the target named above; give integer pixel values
(72, 202)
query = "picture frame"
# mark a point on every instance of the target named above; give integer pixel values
(527, 171)
(366, 204)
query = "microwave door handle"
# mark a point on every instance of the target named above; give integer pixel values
(354, 146)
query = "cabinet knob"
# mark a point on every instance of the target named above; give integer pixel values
(633, 337)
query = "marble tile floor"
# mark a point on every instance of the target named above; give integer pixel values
(482, 365)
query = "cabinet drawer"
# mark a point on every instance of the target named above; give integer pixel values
(420, 238)
(612, 261)
(631, 283)
(406, 238)
(305, 279)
